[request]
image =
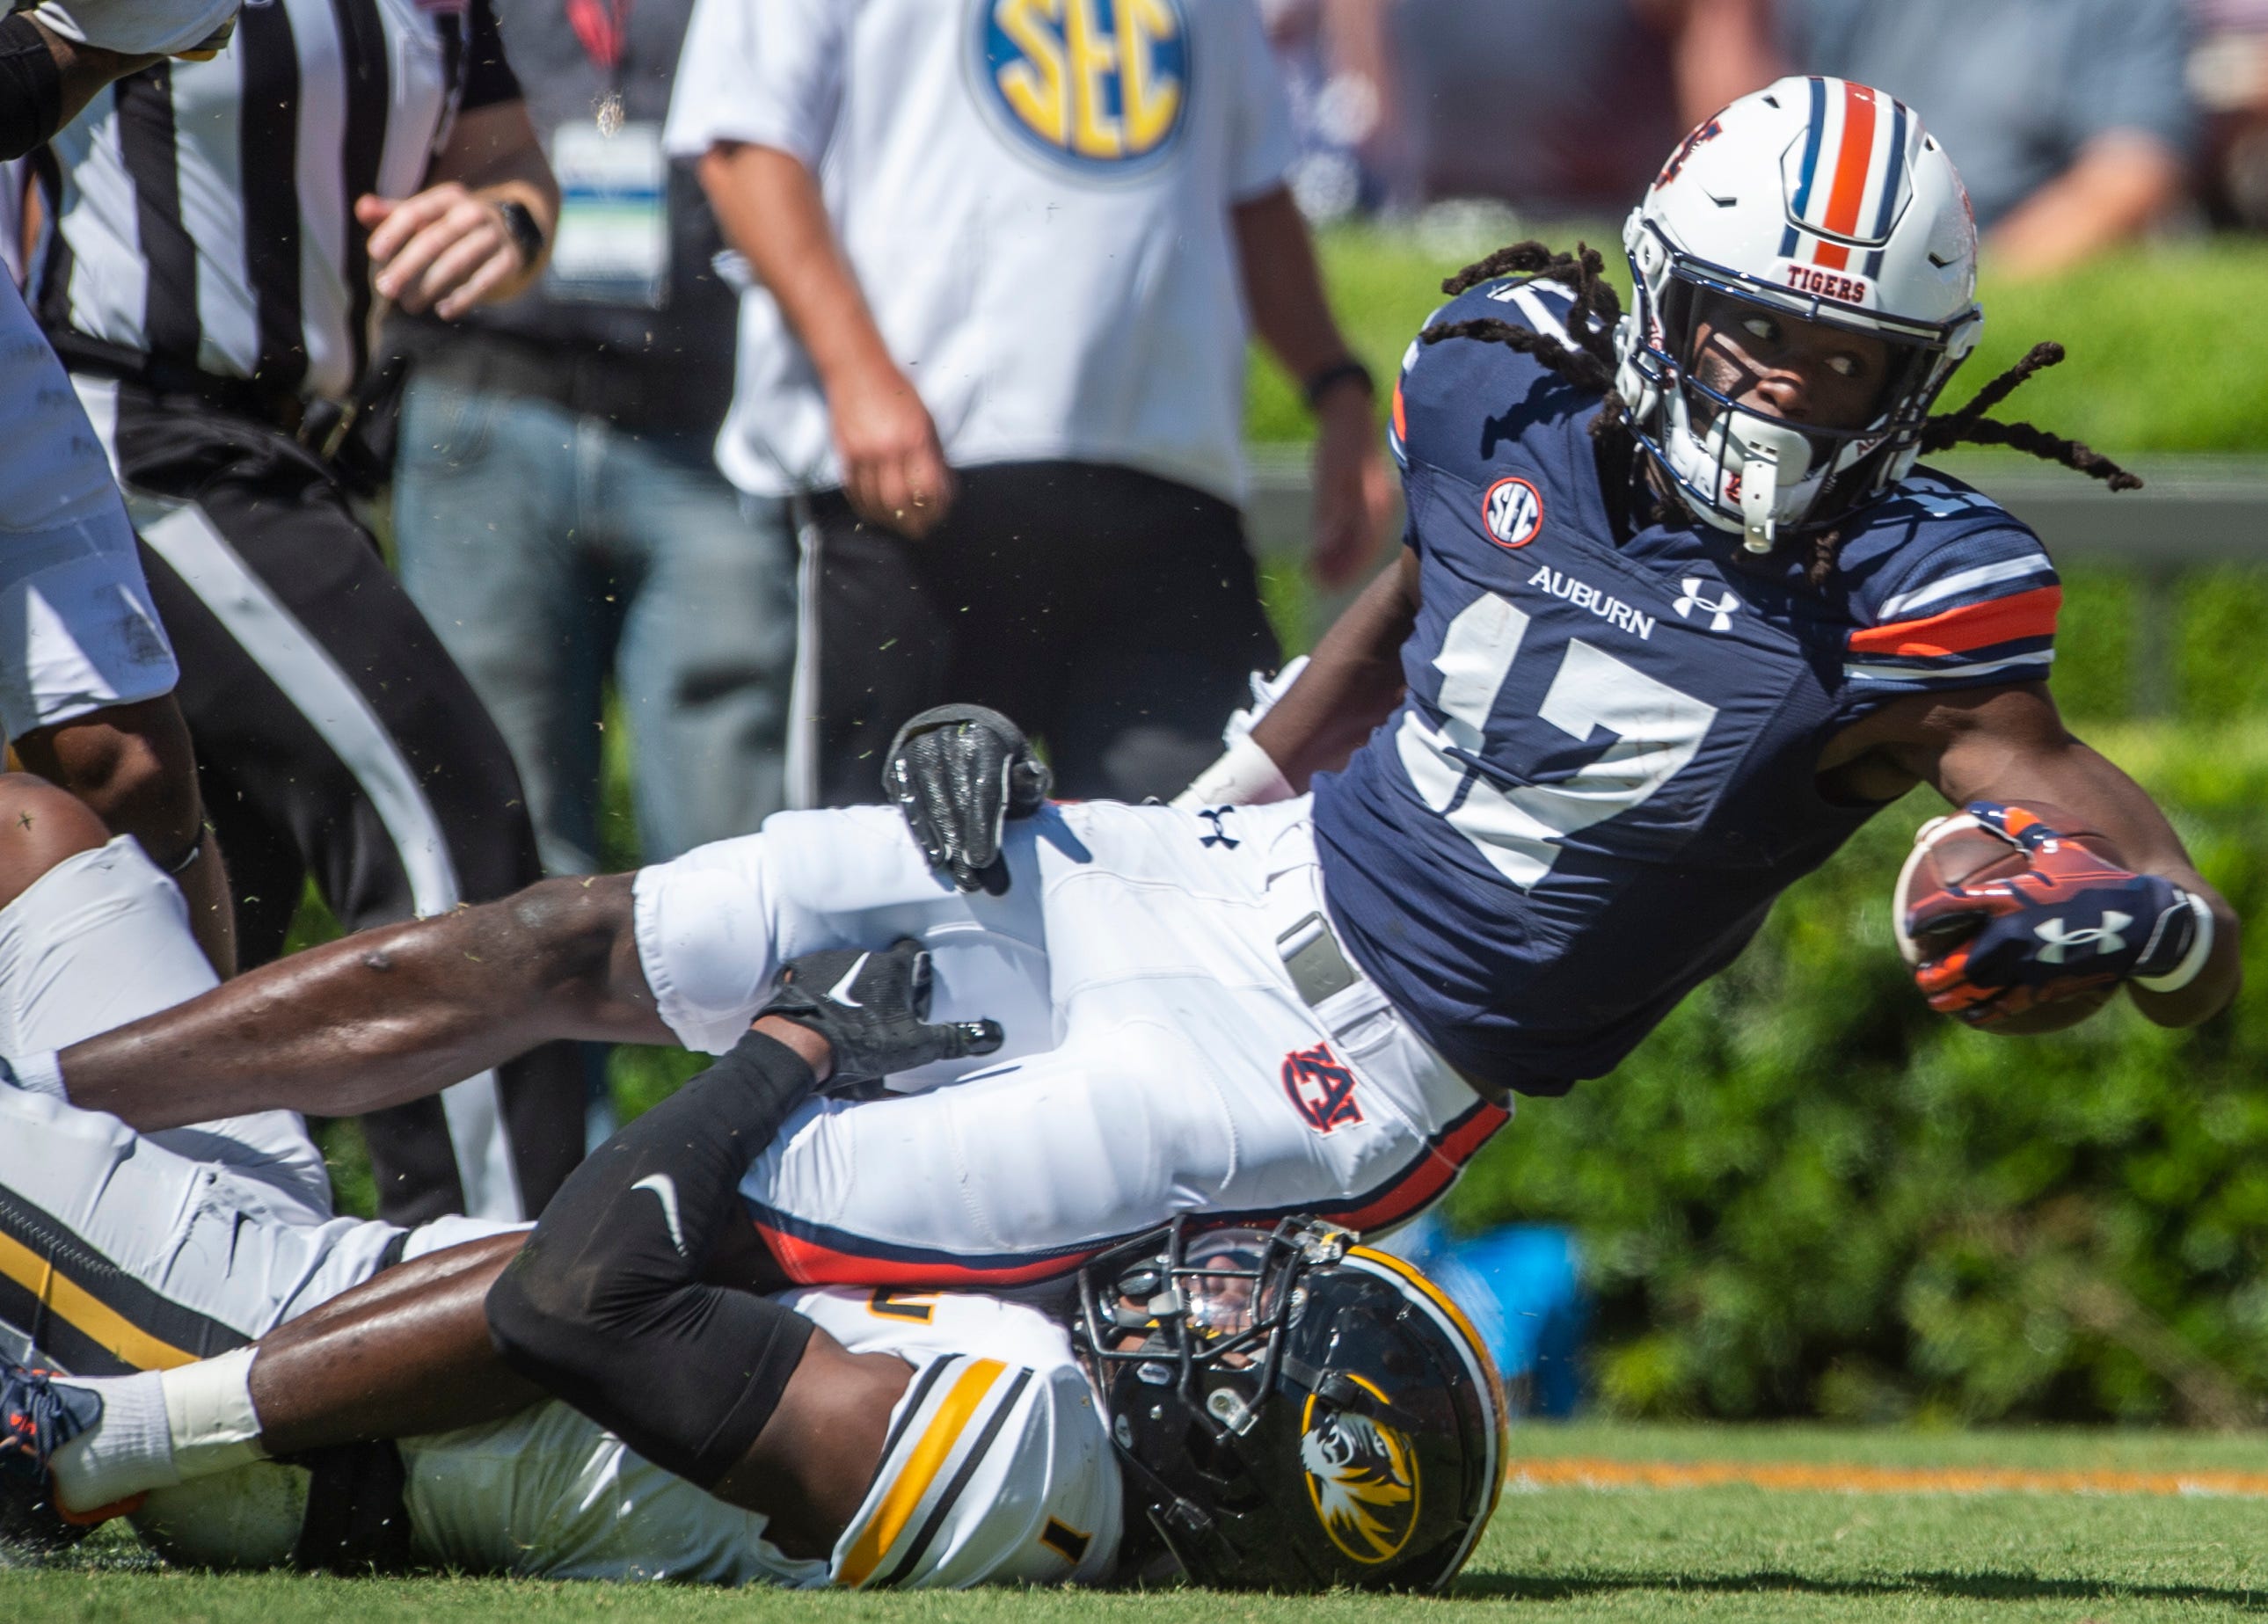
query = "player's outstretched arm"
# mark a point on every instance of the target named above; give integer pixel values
(1352, 682)
(2010, 743)
(384, 1016)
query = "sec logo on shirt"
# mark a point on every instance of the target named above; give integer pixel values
(1099, 85)
(1512, 509)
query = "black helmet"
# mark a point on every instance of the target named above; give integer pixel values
(1292, 1411)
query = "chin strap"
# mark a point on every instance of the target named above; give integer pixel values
(1770, 456)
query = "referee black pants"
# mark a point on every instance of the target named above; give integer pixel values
(1112, 613)
(336, 739)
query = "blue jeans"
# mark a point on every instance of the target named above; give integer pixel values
(546, 546)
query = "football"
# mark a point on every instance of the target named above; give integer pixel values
(1957, 850)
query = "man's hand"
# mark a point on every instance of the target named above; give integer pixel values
(959, 773)
(1352, 493)
(873, 1009)
(446, 248)
(894, 468)
(2070, 920)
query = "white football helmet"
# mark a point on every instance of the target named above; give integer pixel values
(1824, 200)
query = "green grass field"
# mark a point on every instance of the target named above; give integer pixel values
(1727, 1553)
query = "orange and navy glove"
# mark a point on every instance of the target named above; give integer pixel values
(2070, 920)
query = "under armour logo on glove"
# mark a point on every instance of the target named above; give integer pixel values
(1720, 610)
(2071, 919)
(2102, 938)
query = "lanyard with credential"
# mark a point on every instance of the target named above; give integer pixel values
(603, 27)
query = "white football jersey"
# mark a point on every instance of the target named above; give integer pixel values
(997, 1470)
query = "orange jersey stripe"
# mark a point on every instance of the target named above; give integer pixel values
(1972, 626)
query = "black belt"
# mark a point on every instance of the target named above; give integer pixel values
(318, 426)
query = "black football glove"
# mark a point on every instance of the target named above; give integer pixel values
(958, 772)
(873, 1009)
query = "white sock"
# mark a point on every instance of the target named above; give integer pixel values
(131, 1449)
(209, 1410)
(158, 1429)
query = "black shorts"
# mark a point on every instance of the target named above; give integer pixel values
(1112, 613)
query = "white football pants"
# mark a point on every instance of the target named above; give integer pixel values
(1163, 1056)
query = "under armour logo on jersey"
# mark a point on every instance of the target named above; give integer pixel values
(2104, 938)
(1321, 1089)
(1720, 612)
(1220, 836)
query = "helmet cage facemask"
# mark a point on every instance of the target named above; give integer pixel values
(1222, 1382)
(1171, 1329)
(1845, 467)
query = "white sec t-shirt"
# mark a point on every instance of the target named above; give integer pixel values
(1035, 198)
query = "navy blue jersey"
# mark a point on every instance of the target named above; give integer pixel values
(1605, 769)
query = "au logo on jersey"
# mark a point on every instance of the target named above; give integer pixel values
(1101, 85)
(1362, 1479)
(1512, 509)
(1321, 1089)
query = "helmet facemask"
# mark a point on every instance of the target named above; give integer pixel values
(1740, 466)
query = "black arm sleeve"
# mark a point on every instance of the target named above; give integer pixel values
(605, 1305)
(31, 88)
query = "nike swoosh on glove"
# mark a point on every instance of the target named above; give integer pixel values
(959, 773)
(873, 1009)
(2071, 920)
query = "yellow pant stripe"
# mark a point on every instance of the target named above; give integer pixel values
(923, 1462)
(78, 1308)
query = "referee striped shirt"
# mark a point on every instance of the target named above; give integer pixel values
(204, 212)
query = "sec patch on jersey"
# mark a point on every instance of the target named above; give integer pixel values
(1513, 511)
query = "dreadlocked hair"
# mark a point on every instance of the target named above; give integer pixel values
(1971, 425)
(1589, 363)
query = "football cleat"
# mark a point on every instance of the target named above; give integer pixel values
(38, 1416)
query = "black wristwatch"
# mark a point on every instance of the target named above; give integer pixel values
(1349, 370)
(527, 235)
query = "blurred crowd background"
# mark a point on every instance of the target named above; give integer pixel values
(2075, 125)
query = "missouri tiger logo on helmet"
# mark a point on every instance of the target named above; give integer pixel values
(1362, 1478)
(1292, 1411)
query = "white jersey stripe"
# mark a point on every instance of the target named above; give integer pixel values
(1942, 673)
(1961, 581)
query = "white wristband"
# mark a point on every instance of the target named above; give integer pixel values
(2200, 949)
(40, 1072)
(1245, 776)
